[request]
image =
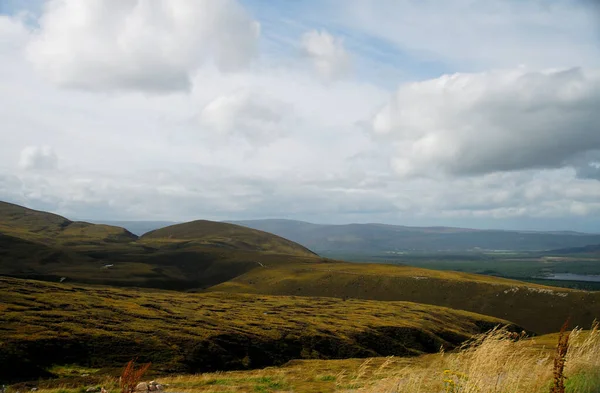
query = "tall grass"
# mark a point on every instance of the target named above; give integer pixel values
(130, 377)
(502, 362)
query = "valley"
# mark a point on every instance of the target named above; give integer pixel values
(205, 297)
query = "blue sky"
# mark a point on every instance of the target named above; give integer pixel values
(463, 112)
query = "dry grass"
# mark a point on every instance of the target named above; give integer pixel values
(130, 377)
(497, 362)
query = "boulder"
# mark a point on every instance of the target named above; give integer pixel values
(142, 387)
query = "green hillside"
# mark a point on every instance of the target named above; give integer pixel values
(539, 308)
(229, 236)
(196, 255)
(48, 228)
(44, 324)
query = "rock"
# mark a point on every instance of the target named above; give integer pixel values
(142, 387)
(92, 389)
(159, 387)
(34, 389)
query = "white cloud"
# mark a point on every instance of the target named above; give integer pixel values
(494, 121)
(138, 156)
(258, 117)
(38, 158)
(330, 58)
(139, 44)
(12, 33)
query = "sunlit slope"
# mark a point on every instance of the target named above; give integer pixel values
(538, 308)
(228, 236)
(48, 228)
(42, 324)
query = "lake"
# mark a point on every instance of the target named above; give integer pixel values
(572, 277)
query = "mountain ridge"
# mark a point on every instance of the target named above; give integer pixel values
(381, 238)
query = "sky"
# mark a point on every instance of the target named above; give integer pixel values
(472, 113)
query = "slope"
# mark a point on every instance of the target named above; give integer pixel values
(40, 245)
(535, 307)
(44, 324)
(218, 234)
(51, 229)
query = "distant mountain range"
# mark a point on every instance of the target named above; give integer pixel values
(380, 238)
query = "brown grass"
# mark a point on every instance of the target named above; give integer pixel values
(130, 377)
(496, 362)
(560, 358)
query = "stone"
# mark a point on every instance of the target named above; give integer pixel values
(92, 389)
(142, 387)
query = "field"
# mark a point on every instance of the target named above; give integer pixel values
(44, 324)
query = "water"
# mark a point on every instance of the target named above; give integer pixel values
(572, 277)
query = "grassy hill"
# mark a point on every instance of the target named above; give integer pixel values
(44, 324)
(199, 254)
(218, 234)
(539, 308)
(204, 255)
(48, 228)
(365, 239)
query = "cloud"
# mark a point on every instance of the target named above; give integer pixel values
(138, 44)
(257, 117)
(469, 124)
(587, 165)
(42, 158)
(521, 136)
(330, 58)
(12, 33)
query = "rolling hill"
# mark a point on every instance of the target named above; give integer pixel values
(199, 254)
(48, 228)
(225, 235)
(541, 309)
(364, 239)
(45, 324)
(209, 256)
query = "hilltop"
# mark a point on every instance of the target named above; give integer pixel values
(225, 235)
(45, 324)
